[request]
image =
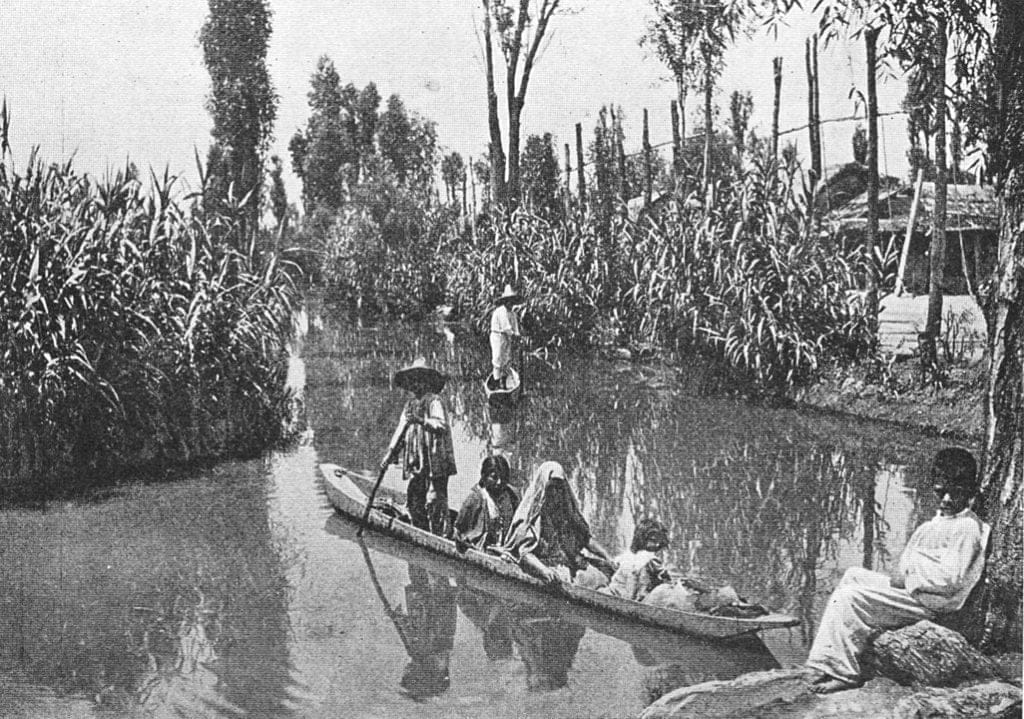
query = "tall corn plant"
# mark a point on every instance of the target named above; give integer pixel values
(750, 280)
(128, 333)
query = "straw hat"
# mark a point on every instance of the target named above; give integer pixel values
(418, 372)
(509, 296)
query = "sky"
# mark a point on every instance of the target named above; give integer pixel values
(107, 80)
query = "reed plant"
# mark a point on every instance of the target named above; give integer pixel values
(134, 329)
(748, 277)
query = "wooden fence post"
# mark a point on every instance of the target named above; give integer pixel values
(581, 178)
(677, 149)
(777, 67)
(647, 163)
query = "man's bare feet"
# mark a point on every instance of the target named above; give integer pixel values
(825, 684)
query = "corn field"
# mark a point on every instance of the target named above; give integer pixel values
(134, 330)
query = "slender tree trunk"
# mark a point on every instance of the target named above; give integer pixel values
(937, 258)
(777, 68)
(647, 163)
(708, 130)
(512, 186)
(496, 153)
(681, 93)
(1003, 467)
(677, 142)
(870, 42)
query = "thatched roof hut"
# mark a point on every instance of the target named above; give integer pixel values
(972, 224)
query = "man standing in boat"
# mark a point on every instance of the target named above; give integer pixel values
(423, 444)
(504, 330)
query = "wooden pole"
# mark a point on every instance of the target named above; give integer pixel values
(777, 67)
(677, 143)
(581, 179)
(647, 162)
(568, 180)
(812, 121)
(902, 270)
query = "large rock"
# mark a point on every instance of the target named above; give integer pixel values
(733, 698)
(928, 654)
(992, 700)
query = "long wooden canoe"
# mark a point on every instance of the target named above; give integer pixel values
(344, 493)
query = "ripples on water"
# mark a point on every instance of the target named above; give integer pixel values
(239, 592)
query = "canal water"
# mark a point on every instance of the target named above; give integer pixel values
(238, 592)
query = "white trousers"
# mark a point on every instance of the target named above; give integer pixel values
(863, 602)
(501, 352)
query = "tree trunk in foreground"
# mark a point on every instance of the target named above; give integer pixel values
(999, 605)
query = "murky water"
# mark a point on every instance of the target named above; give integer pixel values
(239, 592)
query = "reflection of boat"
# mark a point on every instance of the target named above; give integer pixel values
(344, 492)
(743, 653)
(506, 392)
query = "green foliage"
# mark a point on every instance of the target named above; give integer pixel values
(746, 280)
(326, 155)
(453, 173)
(382, 253)
(540, 176)
(242, 101)
(131, 330)
(408, 143)
(278, 195)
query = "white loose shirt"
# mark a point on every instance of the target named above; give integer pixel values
(944, 559)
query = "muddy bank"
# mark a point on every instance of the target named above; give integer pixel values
(894, 393)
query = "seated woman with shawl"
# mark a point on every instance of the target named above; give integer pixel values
(488, 510)
(548, 532)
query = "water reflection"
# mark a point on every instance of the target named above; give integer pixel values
(164, 597)
(525, 633)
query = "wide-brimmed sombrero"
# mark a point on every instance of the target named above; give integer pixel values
(509, 296)
(418, 372)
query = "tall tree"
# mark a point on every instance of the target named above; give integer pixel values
(519, 27)
(278, 195)
(673, 32)
(1002, 125)
(242, 101)
(453, 174)
(937, 250)
(326, 147)
(540, 175)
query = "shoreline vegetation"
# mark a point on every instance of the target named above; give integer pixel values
(139, 330)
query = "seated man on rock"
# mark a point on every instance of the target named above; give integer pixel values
(938, 568)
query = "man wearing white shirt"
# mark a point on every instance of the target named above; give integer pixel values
(504, 327)
(938, 569)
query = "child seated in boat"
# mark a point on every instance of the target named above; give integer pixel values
(549, 533)
(641, 569)
(487, 512)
